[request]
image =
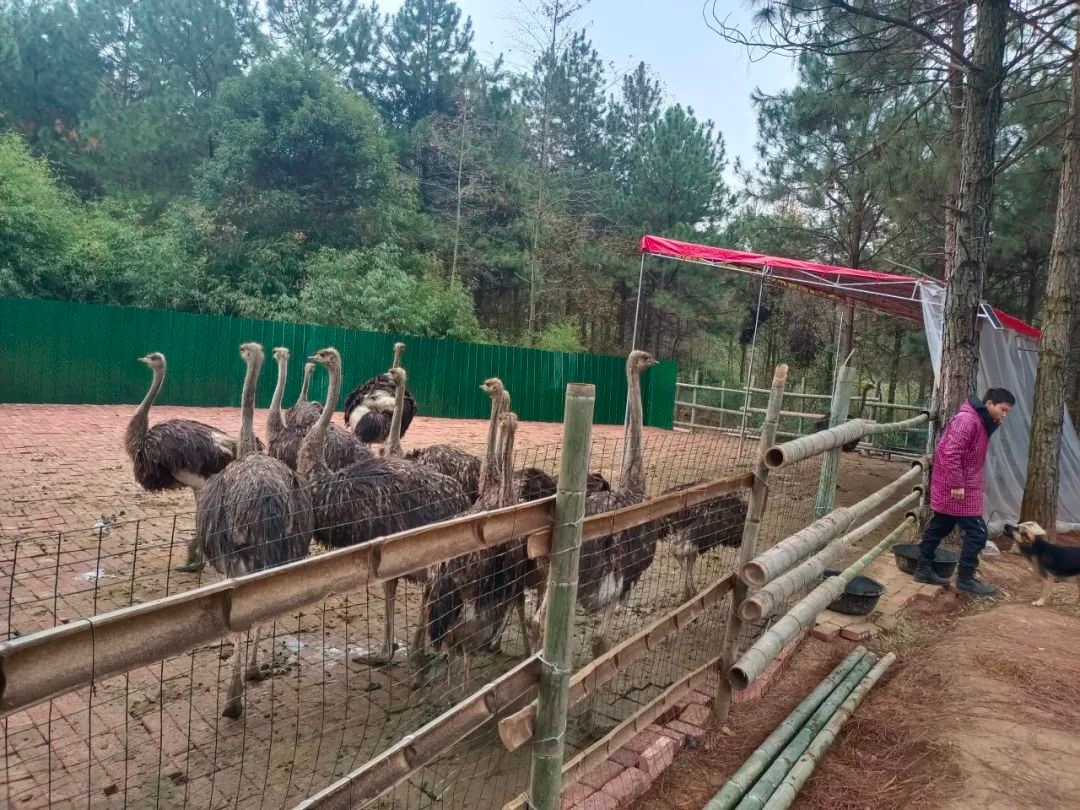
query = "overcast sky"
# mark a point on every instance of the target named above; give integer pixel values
(697, 67)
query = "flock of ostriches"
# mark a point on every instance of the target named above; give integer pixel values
(260, 506)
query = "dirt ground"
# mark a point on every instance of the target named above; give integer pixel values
(980, 710)
(155, 736)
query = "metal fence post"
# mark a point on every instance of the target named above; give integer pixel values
(693, 400)
(830, 464)
(553, 698)
(748, 549)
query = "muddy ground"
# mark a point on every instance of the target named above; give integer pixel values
(980, 710)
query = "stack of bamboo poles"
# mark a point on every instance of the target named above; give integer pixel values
(772, 775)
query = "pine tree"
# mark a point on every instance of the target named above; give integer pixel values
(428, 51)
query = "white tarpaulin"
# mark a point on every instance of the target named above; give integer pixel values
(1008, 360)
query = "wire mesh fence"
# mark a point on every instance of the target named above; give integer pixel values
(155, 735)
(318, 706)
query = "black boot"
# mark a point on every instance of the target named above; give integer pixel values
(966, 582)
(924, 573)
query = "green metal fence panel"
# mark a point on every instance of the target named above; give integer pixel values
(67, 352)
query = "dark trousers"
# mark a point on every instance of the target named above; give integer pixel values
(939, 527)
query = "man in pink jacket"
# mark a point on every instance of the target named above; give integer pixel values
(956, 489)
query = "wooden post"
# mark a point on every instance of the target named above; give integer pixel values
(802, 403)
(748, 549)
(841, 402)
(557, 664)
(693, 400)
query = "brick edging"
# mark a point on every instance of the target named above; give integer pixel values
(626, 775)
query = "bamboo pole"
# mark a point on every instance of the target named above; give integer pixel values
(552, 701)
(758, 762)
(802, 616)
(770, 564)
(395, 764)
(817, 443)
(756, 797)
(785, 793)
(758, 494)
(764, 602)
(518, 728)
(830, 465)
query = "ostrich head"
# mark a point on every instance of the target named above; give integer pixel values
(638, 361)
(328, 358)
(281, 353)
(156, 361)
(493, 387)
(251, 352)
(399, 349)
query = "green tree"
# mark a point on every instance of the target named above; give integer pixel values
(317, 32)
(428, 50)
(370, 289)
(676, 174)
(297, 157)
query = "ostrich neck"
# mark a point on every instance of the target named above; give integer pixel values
(489, 469)
(274, 423)
(306, 384)
(507, 496)
(393, 441)
(632, 477)
(313, 449)
(140, 420)
(247, 408)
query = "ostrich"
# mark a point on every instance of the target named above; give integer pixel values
(373, 496)
(470, 597)
(823, 422)
(701, 528)
(534, 483)
(610, 566)
(176, 453)
(253, 515)
(304, 413)
(446, 459)
(283, 440)
(369, 407)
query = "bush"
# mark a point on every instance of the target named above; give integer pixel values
(559, 337)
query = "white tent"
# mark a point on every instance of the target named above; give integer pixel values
(1008, 359)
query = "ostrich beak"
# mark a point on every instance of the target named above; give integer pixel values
(145, 359)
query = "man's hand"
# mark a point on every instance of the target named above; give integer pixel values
(957, 494)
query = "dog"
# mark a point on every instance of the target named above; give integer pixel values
(1053, 563)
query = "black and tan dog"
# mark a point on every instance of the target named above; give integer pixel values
(1053, 563)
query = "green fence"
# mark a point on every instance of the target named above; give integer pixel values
(63, 352)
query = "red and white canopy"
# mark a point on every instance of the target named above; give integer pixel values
(887, 292)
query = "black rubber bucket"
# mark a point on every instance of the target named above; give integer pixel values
(907, 557)
(859, 598)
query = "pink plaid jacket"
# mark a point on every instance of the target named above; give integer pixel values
(958, 462)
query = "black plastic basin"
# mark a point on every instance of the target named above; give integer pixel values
(907, 557)
(859, 598)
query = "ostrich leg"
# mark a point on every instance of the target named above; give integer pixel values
(524, 623)
(386, 654)
(234, 702)
(253, 672)
(687, 563)
(195, 560)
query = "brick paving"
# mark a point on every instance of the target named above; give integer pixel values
(155, 737)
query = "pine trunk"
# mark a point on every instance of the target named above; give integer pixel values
(982, 112)
(956, 123)
(1058, 309)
